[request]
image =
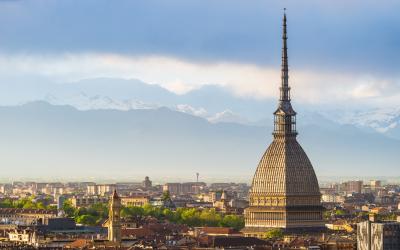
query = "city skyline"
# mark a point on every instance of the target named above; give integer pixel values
(174, 125)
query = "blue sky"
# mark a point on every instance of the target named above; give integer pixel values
(349, 49)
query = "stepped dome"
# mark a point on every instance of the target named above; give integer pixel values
(285, 169)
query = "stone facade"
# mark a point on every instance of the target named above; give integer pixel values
(378, 235)
(135, 201)
(26, 216)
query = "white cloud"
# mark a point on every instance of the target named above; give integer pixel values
(180, 76)
(227, 116)
(191, 110)
(369, 87)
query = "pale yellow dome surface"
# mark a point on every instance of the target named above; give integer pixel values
(286, 170)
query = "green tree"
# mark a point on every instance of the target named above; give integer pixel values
(166, 196)
(234, 221)
(209, 217)
(170, 215)
(327, 214)
(339, 212)
(131, 211)
(147, 209)
(387, 217)
(21, 202)
(68, 209)
(40, 205)
(274, 233)
(80, 211)
(153, 211)
(28, 205)
(7, 203)
(99, 209)
(93, 215)
(190, 217)
(86, 219)
(51, 207)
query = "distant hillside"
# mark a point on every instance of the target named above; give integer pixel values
(39, 139)
(215, 103)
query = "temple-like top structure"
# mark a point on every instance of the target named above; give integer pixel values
(284, 191)
(285, 116)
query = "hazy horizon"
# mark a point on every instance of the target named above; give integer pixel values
(159, 180)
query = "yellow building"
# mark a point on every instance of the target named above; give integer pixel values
(101, 189)
(134, 201)
(86, 201)
(26, 216)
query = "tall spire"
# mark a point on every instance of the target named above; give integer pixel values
(115, 194)
(285, 89)
(285, 116)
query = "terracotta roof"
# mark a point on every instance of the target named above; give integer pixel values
(27, 211)
(218, 230)
(340, 222)
(137, 232)
(90, 244)
(79, 243)
(237, 241)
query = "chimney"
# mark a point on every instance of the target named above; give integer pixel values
(373, 217)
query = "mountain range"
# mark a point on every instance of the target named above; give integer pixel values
(213, 102)
(91, 127)
(62, 141)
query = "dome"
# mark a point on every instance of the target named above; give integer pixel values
(285, 170)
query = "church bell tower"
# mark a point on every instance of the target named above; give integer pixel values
(114, 219)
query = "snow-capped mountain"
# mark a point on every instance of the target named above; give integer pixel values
(84, 102)
(384, 121)
(380, 120)
(213, 103)
(185, 108)
(227, 116)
